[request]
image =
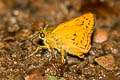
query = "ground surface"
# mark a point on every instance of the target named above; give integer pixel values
(16, 17)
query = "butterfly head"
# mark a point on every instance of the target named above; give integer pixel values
(42, 33)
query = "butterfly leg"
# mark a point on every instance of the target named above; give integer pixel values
(50, 53)
(36, 51)
(54, 53)
(81, 56)
(63, 54)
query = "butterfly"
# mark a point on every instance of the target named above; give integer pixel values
(72, 37)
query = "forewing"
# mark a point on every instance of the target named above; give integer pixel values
(87, 21)
(72, 38)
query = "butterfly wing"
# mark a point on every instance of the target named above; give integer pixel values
(73, 40)
(87, 21)
(74, 36)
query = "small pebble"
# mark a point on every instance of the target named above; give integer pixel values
(19, 77)
(107, 62)
(2, 59)
(2, 45)
(13, 55)
(91, 65)
(16, 12)
(9, 38)
(100, 36)
(13, 28)
(91, 59)
(13, 20)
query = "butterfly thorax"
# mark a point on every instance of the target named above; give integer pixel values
(50, 39)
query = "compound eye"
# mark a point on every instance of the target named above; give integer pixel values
(42, 35)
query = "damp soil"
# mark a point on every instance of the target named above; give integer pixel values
(20, 20)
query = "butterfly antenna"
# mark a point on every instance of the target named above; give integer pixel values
(31, 37)
(36, 34)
